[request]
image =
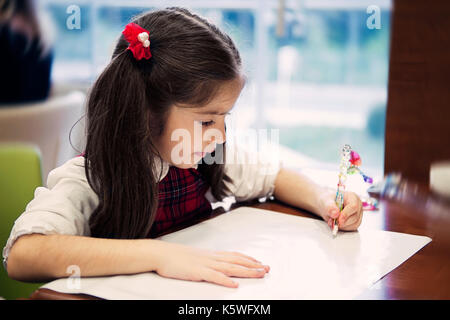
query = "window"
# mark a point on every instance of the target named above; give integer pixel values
(317, 73)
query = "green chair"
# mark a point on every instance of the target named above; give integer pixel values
(20, 175)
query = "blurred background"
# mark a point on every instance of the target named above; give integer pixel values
(316, 71)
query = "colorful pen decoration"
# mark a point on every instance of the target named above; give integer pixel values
(350, 163)
(355, 161)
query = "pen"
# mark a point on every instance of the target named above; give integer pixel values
(343, 168)
(350, 162)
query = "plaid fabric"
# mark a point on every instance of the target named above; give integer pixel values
(181, 197)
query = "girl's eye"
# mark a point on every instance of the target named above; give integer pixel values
(207, 123)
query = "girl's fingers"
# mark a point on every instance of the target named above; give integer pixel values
(242, 260)
(350, 223)
(234, 253)
(219, 278)
(351, 215)
(352, 206)
(348, 211)
(234, 270)
(330, 223)
(332, 211)
(356, 224)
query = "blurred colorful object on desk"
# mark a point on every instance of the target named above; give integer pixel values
(370, 204)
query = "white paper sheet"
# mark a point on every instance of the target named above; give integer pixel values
(305, 261)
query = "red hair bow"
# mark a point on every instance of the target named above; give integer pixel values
(138, 39)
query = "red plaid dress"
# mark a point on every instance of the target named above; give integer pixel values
(181, 197)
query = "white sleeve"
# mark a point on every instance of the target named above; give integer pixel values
(64, 207)
(253, 174)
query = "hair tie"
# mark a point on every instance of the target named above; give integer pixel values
(138, 39)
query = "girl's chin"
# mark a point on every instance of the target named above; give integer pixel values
(185, 165)
(195, 159)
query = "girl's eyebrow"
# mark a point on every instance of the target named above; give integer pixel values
(212, 112)
(215, 112)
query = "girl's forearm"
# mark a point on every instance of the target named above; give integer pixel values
(298, 190)
(38, 257)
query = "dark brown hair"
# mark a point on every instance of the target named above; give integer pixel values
(128, 107)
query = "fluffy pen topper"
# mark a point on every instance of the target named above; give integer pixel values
(138, 39)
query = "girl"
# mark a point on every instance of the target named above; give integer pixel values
(170, 72)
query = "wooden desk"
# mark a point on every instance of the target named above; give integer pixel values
(426, 275)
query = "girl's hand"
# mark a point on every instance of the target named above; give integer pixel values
(189, 263)
(351, 216)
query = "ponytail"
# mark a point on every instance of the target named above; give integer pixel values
(119, 115)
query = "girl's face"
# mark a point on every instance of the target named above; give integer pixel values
(190, 132)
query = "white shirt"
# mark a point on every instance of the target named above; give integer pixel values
(65, 205)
